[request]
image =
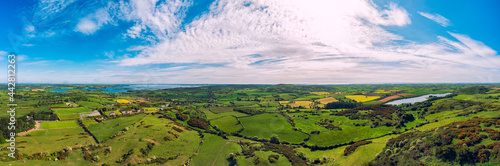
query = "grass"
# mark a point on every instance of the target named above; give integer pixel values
(151, 129)
(227, 124)
(244, 103)
(320, 93)
(347, 134)
(89, 104)
(361, 155)
(361, 98)
(215, 151)
(52, 140)
(265, 125)
(61, 124)
(211, 115)
(71, 110)
(88, 122)
(263, 158)
(106, 129)
(221, 109)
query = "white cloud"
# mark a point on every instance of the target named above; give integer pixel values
(93, 22)
(21, 58)
(310, 40)
(443, 21)
(29, 28)
(3, 53)
(162, 18)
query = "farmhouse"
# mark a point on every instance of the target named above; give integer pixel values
(112, 114)
(68, 104)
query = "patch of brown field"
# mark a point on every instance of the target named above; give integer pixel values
(142, 100)
(34, 90)
(179, 127)
(151, 141)
(495, 88)
(327, 100)
(404, 94)
(389, 98)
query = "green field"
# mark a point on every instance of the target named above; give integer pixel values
(107, 128)
(61, 124)
(347, 134)
(227, 124)
(215, 151)
(265, 125)
(52, 140)
(71, 110)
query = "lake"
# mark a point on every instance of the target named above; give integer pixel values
(125, 88)
(415, 99)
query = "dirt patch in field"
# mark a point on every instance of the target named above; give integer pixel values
(405, 94)
(495, 88)
(151, 141)
(389, 98)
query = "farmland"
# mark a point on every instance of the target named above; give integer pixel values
(362, 98)
(255, 125)
(62, 124)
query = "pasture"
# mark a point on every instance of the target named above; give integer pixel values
(265, 125)
(215, 151)
(52, 140)
(106, 129)
(227, 124)
(60, 124)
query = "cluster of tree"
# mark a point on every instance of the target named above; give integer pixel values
(473, 90)
(181, 117)
(438, 145)
(198, 122)
(351, 148)
(287, 151)
(145, 151)
(21, 124)
(342, 104)
(247, 110)
(43, 115)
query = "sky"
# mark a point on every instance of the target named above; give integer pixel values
(251, 42)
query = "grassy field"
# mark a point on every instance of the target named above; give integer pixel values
(361, 155)
(211, 115)
(70, 113)
(227, 124)
(61, 124)
(221, 109)
(52, 140)
(265, 125)
(263, 158)
(151, 129)
(361, 98)
(107, 128)
(347, 134)
(88, 122)
(215, 151)
(320, 93)
(71, 110)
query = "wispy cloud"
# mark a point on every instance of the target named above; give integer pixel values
(443, 21)
(93, 22)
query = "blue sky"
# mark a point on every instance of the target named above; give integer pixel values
(267, 41)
